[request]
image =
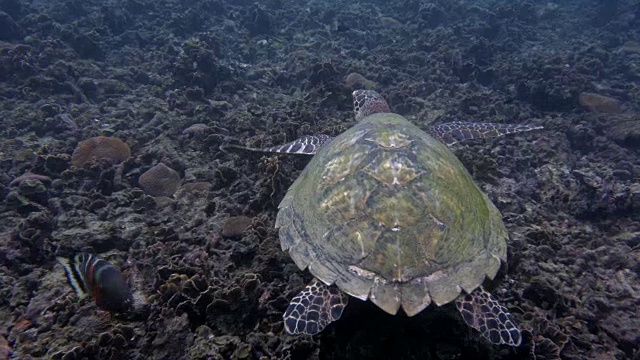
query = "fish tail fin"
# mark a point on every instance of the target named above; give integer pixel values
(75, 278)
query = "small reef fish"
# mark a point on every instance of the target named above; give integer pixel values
(88, 274)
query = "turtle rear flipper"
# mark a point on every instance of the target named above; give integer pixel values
(483, 313)
(454, 132)
(315, 307)
(308, 145)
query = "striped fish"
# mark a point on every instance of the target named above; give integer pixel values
(88, 274)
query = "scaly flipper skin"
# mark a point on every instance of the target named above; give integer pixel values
(308, 145)
(367, 102)
(316, 306)
(454, 132)
(483, 313)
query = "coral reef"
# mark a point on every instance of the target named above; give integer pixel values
(75, 76)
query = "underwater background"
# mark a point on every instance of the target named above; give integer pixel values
(114, 116)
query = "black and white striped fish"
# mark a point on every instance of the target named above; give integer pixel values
(88, 274)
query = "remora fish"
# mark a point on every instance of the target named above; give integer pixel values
(88, 274)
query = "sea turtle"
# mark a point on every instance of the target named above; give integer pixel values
(386, 212)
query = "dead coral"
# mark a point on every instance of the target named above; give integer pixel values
(30, 177)
(272, 181)
(5, 349)
(33, 237)
(260, 228)
(389, 22)
(631, 47)
(195, 188)
(100, 147)
(625, 129)
(160, 180)
(547, 341)
(196, 130)
(33, 190)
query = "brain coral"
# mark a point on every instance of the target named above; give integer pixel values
(599, 104)
(236, 225)
(160, 180)
(100, 147)
(356, 81)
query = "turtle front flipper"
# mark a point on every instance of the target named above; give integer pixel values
(483, 313)
(454, 132)
(308, 145)
(315, 307)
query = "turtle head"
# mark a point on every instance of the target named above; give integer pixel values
(367, 102)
